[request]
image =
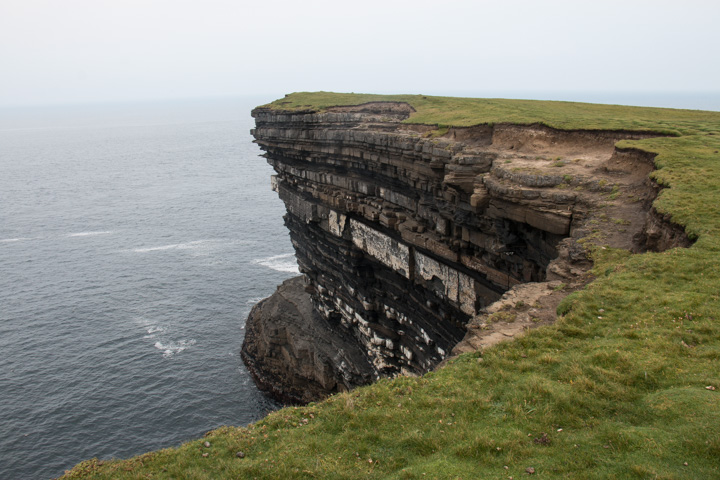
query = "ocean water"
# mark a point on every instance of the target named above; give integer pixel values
(134, 239)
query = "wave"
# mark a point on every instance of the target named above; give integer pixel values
(174, 246)
(158, 332)
(88, 234)
(152, 330)
(254, 300)
(155, 329)
(280, 263)
(12, 240)
(172, 348)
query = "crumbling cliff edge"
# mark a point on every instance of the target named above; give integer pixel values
(418, 241)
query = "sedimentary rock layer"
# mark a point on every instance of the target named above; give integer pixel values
(287, 339)
(406, 233)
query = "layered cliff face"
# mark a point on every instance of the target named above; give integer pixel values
(408, 234)
(296, 354)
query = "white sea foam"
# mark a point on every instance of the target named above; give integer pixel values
(172, 348)
(88, 234)
(175, 246)
(150, 327)
(254, 300)
(281, 263)
(12, 240)
(152, 330)
(159, 333)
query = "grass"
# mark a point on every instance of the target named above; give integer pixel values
(615, 389)
(457, 111)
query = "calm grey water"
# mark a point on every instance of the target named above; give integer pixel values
(133, 242)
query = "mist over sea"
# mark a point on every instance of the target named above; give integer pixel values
(133, 242)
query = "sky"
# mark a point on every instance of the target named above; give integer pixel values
(69, 51)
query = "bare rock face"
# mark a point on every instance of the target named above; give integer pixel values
(294, 354)
(406, 234)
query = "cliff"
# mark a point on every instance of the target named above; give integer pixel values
(622, 384)
(408, 234)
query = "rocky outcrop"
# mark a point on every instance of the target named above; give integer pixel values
(406, 233)
(285, 338)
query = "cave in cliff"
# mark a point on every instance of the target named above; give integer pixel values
(409, 237)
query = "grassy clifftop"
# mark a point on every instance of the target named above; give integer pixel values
(626, 384)
(473, 111)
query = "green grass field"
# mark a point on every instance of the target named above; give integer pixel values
(626, 384)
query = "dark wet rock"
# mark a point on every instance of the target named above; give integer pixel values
(294, 353)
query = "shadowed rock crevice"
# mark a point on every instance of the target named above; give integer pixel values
(408, 235)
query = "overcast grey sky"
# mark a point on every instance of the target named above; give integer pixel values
(63, 51)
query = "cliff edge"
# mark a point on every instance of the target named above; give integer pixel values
(407, 235)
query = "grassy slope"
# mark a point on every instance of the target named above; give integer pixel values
(618, 384)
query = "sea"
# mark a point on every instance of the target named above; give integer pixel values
(134, 240)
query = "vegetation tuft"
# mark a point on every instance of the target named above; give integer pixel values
(626, 384)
